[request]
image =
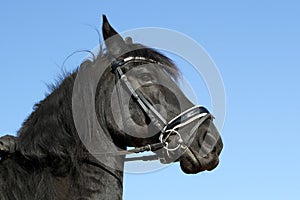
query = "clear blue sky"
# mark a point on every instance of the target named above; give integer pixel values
(255, 44)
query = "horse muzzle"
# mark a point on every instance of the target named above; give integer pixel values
(203, 153)
(192, 139)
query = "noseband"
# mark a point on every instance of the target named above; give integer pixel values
(166, 128)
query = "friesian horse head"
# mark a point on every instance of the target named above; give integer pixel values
(138, 77)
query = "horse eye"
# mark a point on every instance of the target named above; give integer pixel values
(145, 77)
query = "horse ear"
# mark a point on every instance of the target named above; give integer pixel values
(113, 41)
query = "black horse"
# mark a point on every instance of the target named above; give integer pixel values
(73, 145)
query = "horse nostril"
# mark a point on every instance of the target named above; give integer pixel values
(214, 149)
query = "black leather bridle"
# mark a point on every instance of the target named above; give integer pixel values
(166, 128)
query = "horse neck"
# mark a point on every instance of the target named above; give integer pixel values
(89, 177)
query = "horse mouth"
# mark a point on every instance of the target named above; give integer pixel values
(193, 163)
